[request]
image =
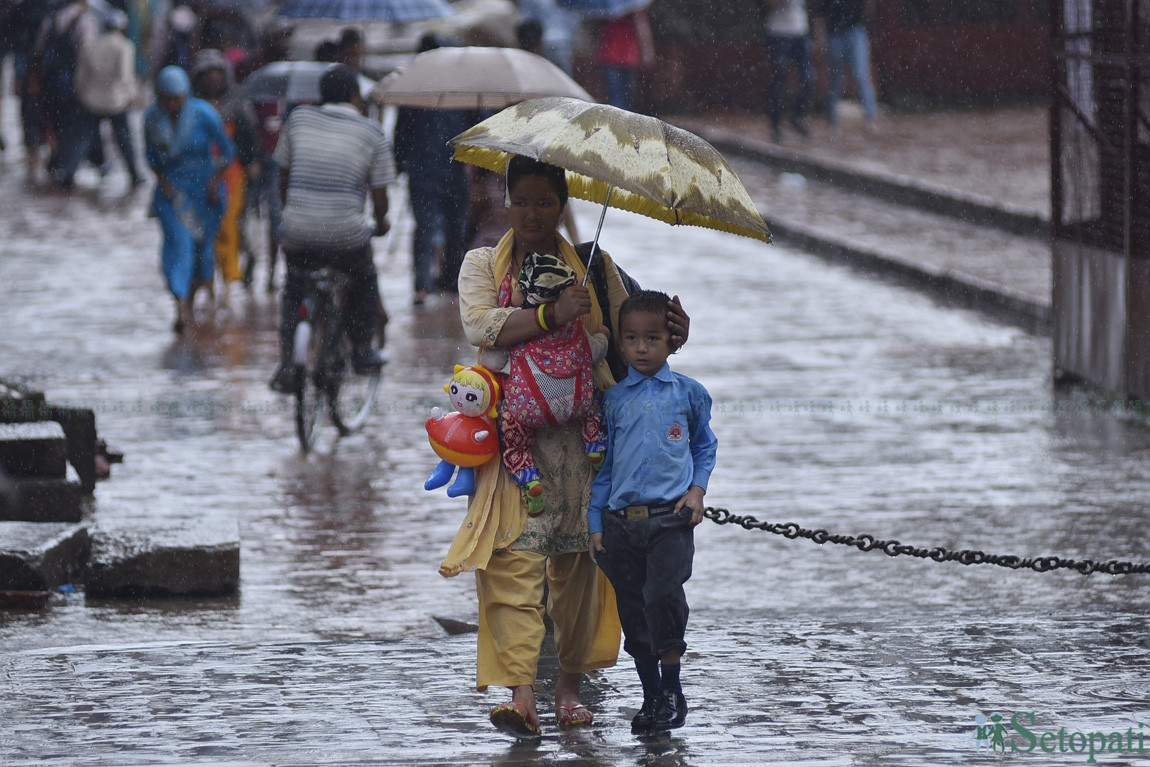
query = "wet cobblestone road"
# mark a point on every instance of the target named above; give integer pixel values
(840, 403)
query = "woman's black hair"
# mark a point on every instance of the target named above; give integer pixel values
(519, 167)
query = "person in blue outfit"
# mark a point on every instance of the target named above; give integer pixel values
(647, 500)
(847, 42)
(188, 149)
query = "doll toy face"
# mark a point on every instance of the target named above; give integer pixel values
(469, 400)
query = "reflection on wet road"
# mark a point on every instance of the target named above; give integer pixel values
(840, 402)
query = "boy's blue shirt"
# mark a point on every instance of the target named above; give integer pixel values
(659, 442)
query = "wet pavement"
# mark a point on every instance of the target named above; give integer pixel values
(840, 402)
(963, 167)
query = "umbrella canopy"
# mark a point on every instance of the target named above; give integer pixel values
(627, 160)
(292, 81)
(238, 5)
(475, 78)
(398, 11)
(603, 9)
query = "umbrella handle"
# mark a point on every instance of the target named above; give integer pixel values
(598, 229)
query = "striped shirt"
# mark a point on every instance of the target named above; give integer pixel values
(334, 157)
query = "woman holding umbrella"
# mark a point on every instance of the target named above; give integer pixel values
(512, 554)
(186, 145)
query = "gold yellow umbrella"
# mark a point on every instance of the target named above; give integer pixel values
(626, 160)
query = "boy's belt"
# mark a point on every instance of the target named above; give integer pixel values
(642, 512)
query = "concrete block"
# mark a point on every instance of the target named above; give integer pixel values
(80, 429)
(170, 558)
(41, 556)
(21, 405)
(37, 499)
(34, 449)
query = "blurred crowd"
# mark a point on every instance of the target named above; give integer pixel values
(79, 68)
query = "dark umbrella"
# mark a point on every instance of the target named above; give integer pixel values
(398, 11)
(237, 5)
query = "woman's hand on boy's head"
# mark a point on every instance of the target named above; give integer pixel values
(678, 323)
(694, 501)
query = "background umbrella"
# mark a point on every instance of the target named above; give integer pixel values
(292, 81)
(603, 9)
(398, 11)
(619, 158)
(475, 78)
(238, 5)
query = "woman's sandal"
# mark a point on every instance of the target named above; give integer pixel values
(514, 719)
(573, 716)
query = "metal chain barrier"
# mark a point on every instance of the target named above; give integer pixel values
(895, 548)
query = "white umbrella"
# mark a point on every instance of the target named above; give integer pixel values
(475, 78)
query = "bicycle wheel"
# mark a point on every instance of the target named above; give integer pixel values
(311, 383)
(353, 394)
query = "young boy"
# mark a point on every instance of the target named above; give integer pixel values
(646, 501)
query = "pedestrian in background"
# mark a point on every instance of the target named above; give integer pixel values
(62, 38)
(437, 187)
(21, 25)
(189, 150)
(173, 36)
(212, 81)
(847, 41)
(558, 27)
(788, 41)
(275, 45)
(626, 45)
(106, 86)
(350, 50)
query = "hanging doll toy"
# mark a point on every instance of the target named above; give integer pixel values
(465, 438)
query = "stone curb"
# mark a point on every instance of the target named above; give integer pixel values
(997, 301)
(994, 300)
(890, 187)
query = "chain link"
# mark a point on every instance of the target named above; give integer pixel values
(894, 548)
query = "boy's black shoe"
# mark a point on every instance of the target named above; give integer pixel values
(645, 719)
(670, 710)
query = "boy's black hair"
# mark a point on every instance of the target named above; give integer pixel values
(519, 167)
(649, 301)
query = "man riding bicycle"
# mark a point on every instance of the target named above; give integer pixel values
(331, 157)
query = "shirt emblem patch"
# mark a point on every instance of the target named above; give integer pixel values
(675, 433)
